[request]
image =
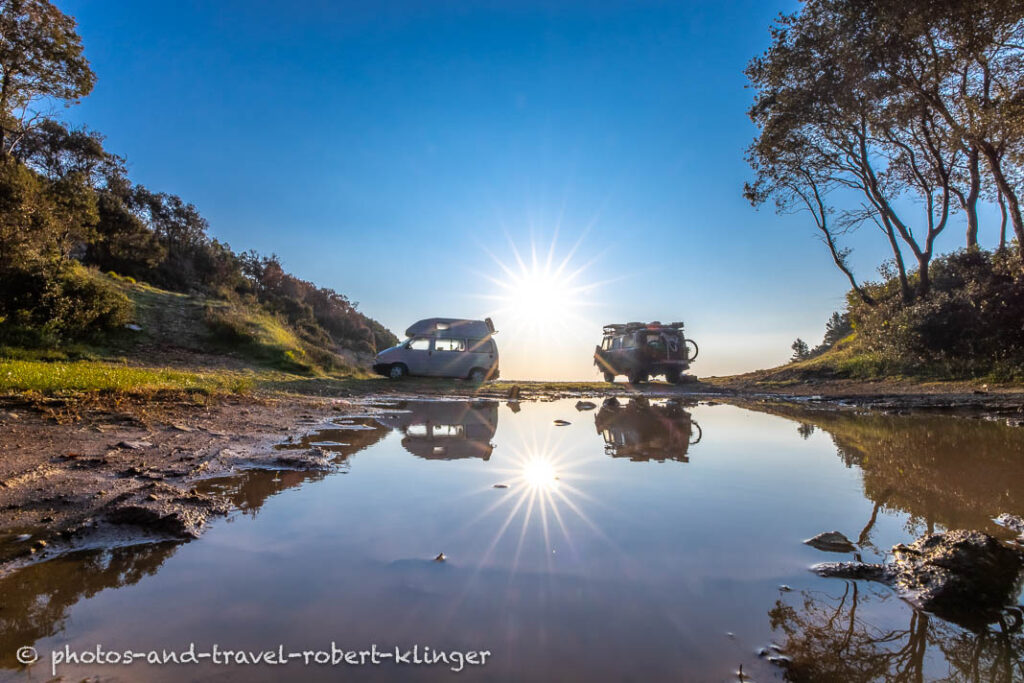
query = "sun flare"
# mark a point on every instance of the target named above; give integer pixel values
(540, 293)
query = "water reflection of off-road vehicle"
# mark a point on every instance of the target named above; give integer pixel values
(445, 430)
(642, 350)
(641, 431)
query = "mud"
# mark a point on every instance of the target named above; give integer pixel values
(109, 475)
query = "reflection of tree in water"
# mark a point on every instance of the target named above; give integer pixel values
(641, 431)
(36, 599)
(805, 430)
(827, 640)
(942, 471)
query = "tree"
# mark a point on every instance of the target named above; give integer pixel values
(41, 58)
(890, 101)
(828, 123)
(800, 350)
(837, 327)
(964, 62)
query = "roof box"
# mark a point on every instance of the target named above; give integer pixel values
(451, 327)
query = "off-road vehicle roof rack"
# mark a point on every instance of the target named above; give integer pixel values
(621, 328)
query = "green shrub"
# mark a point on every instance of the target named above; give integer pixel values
(44, 307)
(970, 323)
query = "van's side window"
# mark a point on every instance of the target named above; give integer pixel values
(420, 344)
(606, 343)
(629, 341)
(449, 344)
(481, 346)
(617, 343)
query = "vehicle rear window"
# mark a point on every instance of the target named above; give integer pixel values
(481, 346)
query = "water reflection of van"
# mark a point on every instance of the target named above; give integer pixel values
(641, 431)
(443, 347)
(445, 430)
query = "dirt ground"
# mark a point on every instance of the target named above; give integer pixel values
(82, 475)
(101, 472)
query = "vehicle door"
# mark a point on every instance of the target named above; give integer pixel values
(674, 346)
(417, 356)
(449, 358)
(657, 347)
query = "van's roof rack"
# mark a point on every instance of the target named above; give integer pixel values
(620, 328)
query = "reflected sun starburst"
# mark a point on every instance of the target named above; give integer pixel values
(539, 474)
(543, 503)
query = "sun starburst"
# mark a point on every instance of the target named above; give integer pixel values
(542, 292)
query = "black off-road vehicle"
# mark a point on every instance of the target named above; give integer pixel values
(642, 350)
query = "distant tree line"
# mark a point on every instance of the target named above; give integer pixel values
(836, 327)
(66, 203)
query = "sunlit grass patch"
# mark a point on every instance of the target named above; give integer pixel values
(92, 376)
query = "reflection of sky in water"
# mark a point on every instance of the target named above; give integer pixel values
(586, 567)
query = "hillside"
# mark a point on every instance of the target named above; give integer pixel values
(182, 341)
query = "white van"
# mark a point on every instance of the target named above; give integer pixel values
(443, 347)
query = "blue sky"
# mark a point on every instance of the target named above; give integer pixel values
(386, 149)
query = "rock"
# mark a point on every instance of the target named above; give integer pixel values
(585, 405)
(1011, 522)
(831, 541)
(562, 423)
(966, 577)
(501, 486)
(610, 402)
(133, 445)
(784, 588)
(440, 557)
(183, 523)
(133, 327)
(181, 427)
(851, 570)
(513, 393)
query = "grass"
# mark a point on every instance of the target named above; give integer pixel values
(848, 360)
(229, 348)
(59, 377)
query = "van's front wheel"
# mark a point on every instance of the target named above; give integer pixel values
(609, 377)
(477, 375)
(397, 371)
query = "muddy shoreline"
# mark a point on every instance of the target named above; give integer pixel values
(104, 473)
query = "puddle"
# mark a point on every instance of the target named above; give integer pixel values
(648, 541)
